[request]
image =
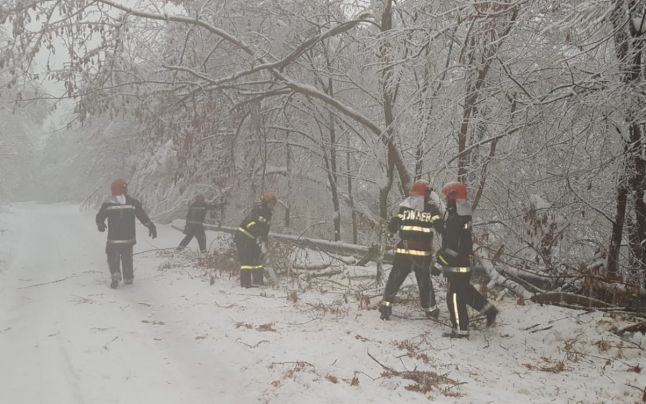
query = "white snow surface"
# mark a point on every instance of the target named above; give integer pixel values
(66, 337)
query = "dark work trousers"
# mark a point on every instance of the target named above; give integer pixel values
(197, 231)
(460, 293)
(402, 266)
(251, 266)
(120, 259)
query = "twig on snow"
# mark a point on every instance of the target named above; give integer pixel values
(154, 249)
(541, 329)
(306, 322)
(381, 364)
(292, 363)
(48, 283)
(254, 345)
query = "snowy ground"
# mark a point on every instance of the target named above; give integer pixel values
(66, 337)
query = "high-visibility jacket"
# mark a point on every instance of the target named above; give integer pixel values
(457, 242)
(255, 225)
(121, 219)
(415, 228)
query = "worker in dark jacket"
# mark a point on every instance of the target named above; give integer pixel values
(455, 260)
(251, 241)
(121, 211)
(415, 222)
(195, 223)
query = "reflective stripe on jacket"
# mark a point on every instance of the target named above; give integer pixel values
(121, 219)
(415, 228)
(256, 224)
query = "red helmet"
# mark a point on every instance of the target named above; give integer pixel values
(420, 188)
(118, 187)
(268, 199)
(454, 190)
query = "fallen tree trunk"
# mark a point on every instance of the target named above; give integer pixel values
(509, 278)
(639, 327)
(504, 280)
(571, 299)
(362, 252)
(311, 267)
(618, 293)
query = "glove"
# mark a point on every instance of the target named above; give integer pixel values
(101, 227)
(152, 231)
(441, 258)
(436, 269)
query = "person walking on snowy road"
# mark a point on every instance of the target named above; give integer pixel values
(251, 241)
(195, 222)
(455, 260)
(121, 210)
(415, 222)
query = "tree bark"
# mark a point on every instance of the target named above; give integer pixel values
(629, 46)
(288, 165)
(348, 165)
(617, 230)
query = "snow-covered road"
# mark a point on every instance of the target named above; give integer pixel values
(66, 337)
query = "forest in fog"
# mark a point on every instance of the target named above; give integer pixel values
(337, 106)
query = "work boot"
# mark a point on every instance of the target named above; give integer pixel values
(116, 278)
(128, 281)
(490, 311)
(432, 312)
(245, 278)
(386, 309)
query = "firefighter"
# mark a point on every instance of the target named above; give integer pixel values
(415, 222)
(195, 223)
(121, 210)
(251, 241)
(455, 260)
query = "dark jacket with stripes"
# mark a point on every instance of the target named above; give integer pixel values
(457, 242)
(415, 228)
(256, 225)
(121, 219)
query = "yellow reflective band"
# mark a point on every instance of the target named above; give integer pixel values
(246, 233)
(417, 228)
(247, 267)
(460, 270)
(413, 252)
(250, 225)
(439, 257)
(435, 218)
